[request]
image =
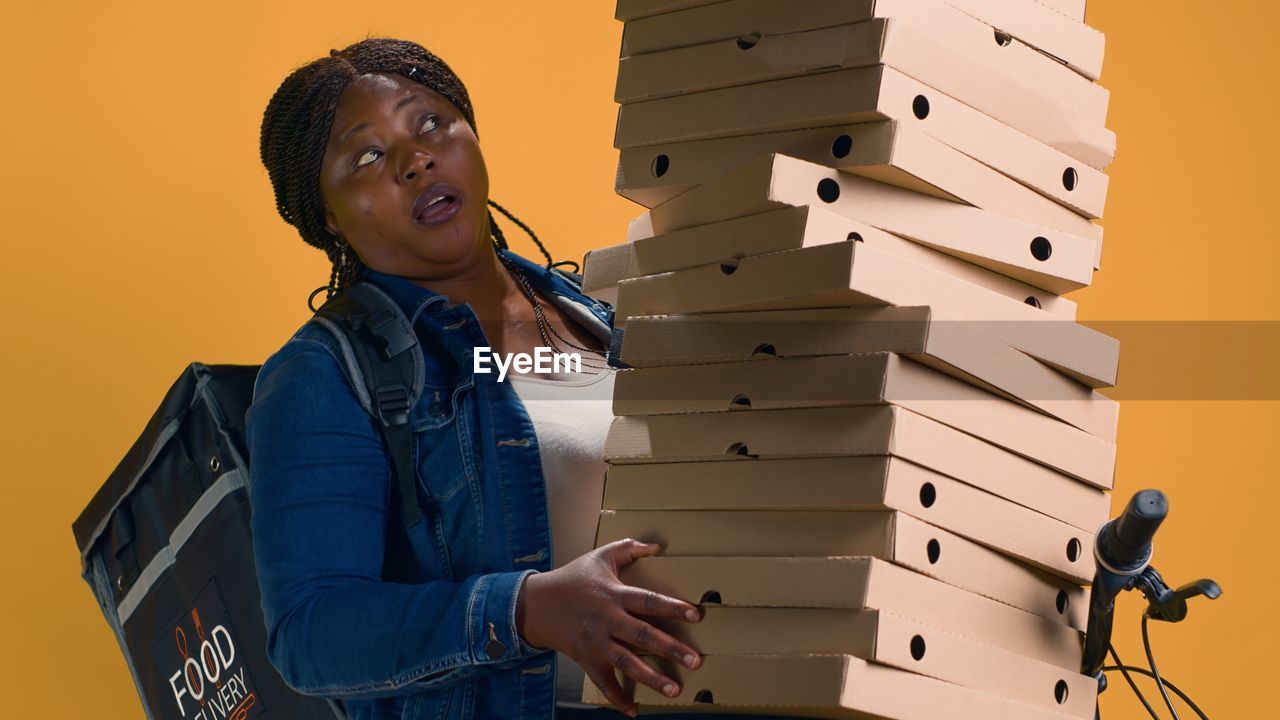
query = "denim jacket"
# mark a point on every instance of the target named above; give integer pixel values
(387, 626)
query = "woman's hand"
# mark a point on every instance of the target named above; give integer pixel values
(584, 611)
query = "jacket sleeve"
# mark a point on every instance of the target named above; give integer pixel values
(320, 491)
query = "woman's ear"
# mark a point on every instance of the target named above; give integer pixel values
(331, 222)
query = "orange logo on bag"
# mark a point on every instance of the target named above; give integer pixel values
(208, 678)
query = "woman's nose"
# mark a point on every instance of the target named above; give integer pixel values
(414, 162)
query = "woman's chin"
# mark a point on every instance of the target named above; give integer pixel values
(451, 245)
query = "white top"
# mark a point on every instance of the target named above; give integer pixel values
(571, 413)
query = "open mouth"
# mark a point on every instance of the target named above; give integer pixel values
(437, 204)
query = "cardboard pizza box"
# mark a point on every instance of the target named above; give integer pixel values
(603, 268)
(1077, 45)
(864, 430)
(888, 152)
(888, 638)
(954, 348)
(1073, 9)
(1050, 259)
(656, 25)
(791, 228)
(874, 482)
(843, 97)
(939, 34)
(891, 536)
(636, 9)
(860, 582)
(924, 39)
(841, 687)
(878, 378)
(855, 274)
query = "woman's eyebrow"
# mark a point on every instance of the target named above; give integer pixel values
(404, 102)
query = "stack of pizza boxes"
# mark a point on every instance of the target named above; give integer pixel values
(859, 416)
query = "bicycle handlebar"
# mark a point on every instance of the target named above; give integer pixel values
(1123, 548)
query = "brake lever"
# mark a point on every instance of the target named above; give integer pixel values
(1171, 605)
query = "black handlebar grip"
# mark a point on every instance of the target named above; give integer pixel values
(1123, 548)
(1135, 528)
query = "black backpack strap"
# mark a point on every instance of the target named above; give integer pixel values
(615, 340)
(574, 278)
(615, 348)
(377, 336)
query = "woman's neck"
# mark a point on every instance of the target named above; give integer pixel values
(486, 286)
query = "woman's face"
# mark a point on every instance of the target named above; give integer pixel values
(395, 147)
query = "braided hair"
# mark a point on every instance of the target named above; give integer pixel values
(296, 127)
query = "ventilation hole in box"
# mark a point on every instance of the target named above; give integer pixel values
(1063, 602)
(1073, 550)
(741, 401)
(660, 165)
(704, 697)
(1069, 179)
(928, 494)
(1033, 301)
(854, 237)
(765, 349)
(934, 549)
(737, 448)
(841, 147)
(1060, 692)
(828, 190)
(710, 597)
(1041, 248)
(917, 647)
(746, 42)
(1003, 38)
(920, 106)
(729, 268)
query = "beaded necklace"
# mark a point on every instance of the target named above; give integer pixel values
(545, 328)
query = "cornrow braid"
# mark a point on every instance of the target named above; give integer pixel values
(346, 265)
(296, 126)
(501, 240)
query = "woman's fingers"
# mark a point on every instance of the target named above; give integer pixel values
(641, 601)
(604, 679)
(642, 672)
(621, 626)
(621, 553)
(656, 642)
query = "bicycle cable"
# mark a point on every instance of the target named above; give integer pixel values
(1185, 698)
(1154, 674)
(1151, 661)
(1132, 685)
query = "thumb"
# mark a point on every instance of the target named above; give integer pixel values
(622, 553)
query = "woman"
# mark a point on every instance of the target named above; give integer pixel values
(374, 158)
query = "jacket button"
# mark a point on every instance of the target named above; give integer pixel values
(494, 649)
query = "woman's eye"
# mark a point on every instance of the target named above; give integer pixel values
(429, 123)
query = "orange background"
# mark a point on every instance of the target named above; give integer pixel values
(141, 235)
